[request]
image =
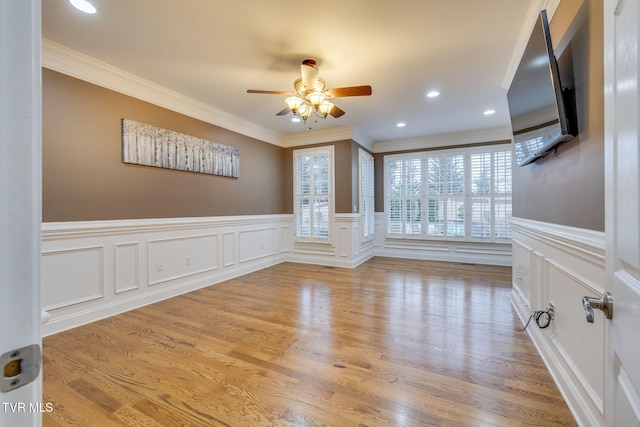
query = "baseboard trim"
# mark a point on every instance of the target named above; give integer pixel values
(443, 253)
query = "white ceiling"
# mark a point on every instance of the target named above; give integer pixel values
(214, 50)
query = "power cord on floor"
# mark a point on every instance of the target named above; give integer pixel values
(543, 319)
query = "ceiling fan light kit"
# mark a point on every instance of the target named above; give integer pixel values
(315, 102)
(310, 96)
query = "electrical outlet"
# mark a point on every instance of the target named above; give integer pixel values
(187, 260)
(552, 310)
(160, 265)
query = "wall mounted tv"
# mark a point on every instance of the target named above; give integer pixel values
(541, 110)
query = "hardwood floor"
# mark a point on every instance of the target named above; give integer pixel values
(391, 343)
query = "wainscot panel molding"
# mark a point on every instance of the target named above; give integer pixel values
(345, 250)
(126, 265)
(556, 264)
(436, 250)
(95, 269)
(80, 268)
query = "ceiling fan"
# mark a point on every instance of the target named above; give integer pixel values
(312, 97)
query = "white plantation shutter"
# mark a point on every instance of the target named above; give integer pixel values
(502, 195)
(321, 173)
(404, 204)
(481, 186)
(454, 208)
(313, 193)
(413, 196)
(435, 196)
(393, 203)
(460, 194)
(367, 194)
(321, 217)
(303, 217)
(302, 185)
(303, 177)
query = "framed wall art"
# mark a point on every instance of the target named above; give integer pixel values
(147, 145)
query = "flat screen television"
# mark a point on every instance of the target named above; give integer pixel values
(541, 110)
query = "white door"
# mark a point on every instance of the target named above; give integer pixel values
(622, 230)
(20, 214)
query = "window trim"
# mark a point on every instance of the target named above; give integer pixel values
(329, 149)
(422, 157)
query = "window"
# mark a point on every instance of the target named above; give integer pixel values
(460, 194)
(313, 193)
(367, 194)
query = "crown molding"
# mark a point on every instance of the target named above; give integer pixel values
(535, 6)
(581, 15)
(317, 136)
(362, 139)
(75, 64)
(341, 133)
(444, 140)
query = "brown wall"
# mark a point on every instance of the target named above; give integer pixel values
(569, 190)
(84, 177)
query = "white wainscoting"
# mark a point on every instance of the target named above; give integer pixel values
(95, 269)
(347, 248)
(434, 250)
(558, 264)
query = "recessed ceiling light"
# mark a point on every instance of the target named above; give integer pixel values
(433, 94)
(83, 5)
(489, 112)
(401, 124)
(296, 119)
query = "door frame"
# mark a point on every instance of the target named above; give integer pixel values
(20, 210)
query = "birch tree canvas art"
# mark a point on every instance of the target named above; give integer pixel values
(148, 145)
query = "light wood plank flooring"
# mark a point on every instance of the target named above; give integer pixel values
(391, 343)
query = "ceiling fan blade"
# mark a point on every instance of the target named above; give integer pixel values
(268, 92)
(284, 112)
(336, 112)
(309, 76)
(339, 92)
